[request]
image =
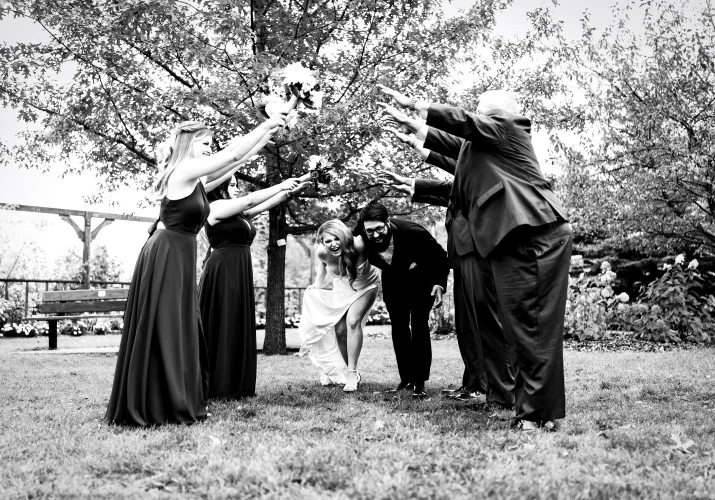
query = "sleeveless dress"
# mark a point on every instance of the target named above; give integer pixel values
(322, 309)
(161, 375)
(227, 304)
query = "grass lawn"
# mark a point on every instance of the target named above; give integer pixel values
(631, 419)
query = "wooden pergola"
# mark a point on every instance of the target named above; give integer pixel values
(86, 234)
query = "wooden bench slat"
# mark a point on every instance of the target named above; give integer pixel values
(95, 294)
(82, 307)
(78, 316)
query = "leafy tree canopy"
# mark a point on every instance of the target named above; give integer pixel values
(642, 166)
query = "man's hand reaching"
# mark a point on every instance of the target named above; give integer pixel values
(399, 183)
(400, 99)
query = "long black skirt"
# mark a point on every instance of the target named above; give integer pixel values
(161, 372)
(227, 304)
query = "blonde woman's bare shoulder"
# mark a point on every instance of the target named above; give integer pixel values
(322, 253)
(359, 244)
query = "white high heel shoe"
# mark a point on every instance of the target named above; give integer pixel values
(352, 386)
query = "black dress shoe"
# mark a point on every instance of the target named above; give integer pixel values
(467, 396)
(419, 391)
(453, 392)
(402, 386)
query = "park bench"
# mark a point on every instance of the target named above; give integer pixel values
(76, 304)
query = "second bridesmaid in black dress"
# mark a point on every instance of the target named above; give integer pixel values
(226, 296)
(160, 376)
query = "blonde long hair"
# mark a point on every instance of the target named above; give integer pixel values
(347, 262)
(177, 148)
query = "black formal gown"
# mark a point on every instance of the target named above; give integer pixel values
(227, 304)
(161, 372)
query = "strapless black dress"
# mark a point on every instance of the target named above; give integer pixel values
(161, 372)
(227, 304)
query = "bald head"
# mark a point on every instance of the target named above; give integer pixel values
(498, 99)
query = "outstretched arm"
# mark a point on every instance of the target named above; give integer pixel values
(214, 180)
(449, 165)
(321, 278)
(273, 201)
(187, 172)
(410, 140)
(222, 209)
(470, 126)
(432, 192)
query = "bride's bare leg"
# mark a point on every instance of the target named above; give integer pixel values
(354, 318)
(341, 335)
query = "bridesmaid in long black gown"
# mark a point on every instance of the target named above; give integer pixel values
(226, 297)
(161, 371)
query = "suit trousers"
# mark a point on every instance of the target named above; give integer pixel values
(470, 346)
(409, 316)
(525, 281)
(483, 310)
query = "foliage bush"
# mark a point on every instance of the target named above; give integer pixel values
(592, 307)
(33, 329)
(74, 328)
(12, 325)
(378, 315)
(670, 309)
(441, 320)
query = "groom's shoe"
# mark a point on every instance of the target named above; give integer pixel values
(419, 390)
(402, 386)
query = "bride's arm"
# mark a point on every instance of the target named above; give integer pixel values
(321, 279)
(360, 249)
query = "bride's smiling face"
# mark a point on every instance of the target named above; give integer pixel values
(332, 244)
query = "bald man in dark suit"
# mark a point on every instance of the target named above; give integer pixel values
(521, 236)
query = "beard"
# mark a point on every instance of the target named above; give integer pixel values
(381, 243)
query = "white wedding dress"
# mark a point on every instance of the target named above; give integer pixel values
(322, 309)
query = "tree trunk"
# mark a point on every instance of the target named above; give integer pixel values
(275, 341)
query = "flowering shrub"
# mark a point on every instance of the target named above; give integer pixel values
(10, 312)
(441, 321)
(102, 326)
(670, 309)
(33, 329)
(378, 315)
(74, 328)
(292, 320)
(592, 307)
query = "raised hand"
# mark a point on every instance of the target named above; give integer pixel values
(291, 104)
(399, 183)
(290, 184)
(400, 99)
(275, 123)
(398, 118)
(401, 134)
(300, 187)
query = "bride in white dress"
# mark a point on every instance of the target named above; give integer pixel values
(335, 307)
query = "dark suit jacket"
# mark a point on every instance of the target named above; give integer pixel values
(498, 184)
(436, 192)
(413, 244)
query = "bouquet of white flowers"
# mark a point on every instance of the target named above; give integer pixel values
(298, 81)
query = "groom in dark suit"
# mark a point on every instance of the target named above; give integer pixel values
(487, 368)
(520, 233)
(414, 275)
